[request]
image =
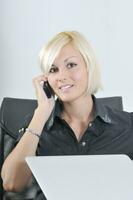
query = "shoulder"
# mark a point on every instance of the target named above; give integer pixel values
(123, 117)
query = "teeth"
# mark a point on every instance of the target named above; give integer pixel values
(65, 87)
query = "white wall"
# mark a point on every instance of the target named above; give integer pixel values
(27, 24)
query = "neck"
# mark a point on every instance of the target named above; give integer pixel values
(79, 110)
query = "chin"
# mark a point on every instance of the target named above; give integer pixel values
(67, 98)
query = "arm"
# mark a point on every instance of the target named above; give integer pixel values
(15, 172)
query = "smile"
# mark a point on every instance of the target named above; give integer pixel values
(65, 87)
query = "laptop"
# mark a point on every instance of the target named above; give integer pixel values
(86, 177)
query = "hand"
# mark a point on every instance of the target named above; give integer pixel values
(44, 104)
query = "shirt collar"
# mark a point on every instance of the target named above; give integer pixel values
(100, 110)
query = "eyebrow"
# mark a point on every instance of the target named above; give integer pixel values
(64, 60)
(68, 58)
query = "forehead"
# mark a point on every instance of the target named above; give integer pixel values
(68, 51)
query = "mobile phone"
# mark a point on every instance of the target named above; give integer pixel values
(47, 89)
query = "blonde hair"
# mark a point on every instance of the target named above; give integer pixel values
(49, 52)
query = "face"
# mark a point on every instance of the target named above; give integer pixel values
(68, 75)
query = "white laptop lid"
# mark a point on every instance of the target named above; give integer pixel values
(97, 177)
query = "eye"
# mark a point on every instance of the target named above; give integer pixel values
(53, 70)
(71, 65)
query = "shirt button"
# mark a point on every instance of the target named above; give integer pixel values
(90, 124)
(83, 144)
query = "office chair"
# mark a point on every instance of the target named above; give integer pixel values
(13, 112)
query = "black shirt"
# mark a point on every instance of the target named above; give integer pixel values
(111, 132)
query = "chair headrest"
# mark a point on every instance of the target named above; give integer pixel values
(114, 102)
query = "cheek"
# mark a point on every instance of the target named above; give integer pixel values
(77, 77)
(80, 76)
(51, 81)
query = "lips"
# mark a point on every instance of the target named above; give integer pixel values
(64, 88)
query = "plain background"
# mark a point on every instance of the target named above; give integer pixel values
(25, 25)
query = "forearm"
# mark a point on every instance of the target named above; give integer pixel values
(15, 172)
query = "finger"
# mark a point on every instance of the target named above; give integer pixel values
(37, 82)
(40, 78)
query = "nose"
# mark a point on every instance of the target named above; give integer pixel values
(62, 75)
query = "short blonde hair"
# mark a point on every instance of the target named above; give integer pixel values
(49, 52)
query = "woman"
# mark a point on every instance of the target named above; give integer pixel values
(74, 124)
